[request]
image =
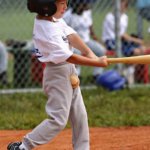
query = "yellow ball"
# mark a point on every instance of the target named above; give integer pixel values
(74, 80)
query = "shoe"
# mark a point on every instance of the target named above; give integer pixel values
(14, 146)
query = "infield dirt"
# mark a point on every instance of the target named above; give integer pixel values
(123, 138)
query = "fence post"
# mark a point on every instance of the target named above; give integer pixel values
(139, 24)
(117, 30)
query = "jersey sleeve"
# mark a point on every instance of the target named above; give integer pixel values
(67, 29)
(58, 51)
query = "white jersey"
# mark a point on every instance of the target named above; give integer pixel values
(80, 23)
(109, 26)
(50, 40)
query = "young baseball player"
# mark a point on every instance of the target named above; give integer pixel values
(53, 40)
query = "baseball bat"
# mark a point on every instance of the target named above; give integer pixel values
(143, 59)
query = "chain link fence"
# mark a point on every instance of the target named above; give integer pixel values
(24, 71)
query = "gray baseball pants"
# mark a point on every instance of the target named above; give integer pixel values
(64, 103)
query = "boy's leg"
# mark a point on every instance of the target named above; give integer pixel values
(57, 107)
(79, 122)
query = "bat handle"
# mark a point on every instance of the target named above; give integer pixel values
(113, 60)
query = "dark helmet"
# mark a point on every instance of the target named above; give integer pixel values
(42, 7)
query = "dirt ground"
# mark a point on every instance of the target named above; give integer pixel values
(124, 138)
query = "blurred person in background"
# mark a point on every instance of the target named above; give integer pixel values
(79, 17)
(3, 64)
(131, 44)
(144, 9)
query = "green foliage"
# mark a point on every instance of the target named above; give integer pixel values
(121, 108)
(129, 107)
(21, 111)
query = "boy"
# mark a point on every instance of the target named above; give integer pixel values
(53, 40)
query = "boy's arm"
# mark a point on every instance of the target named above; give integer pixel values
(81, 60)
(132, 39)
(77, 42)
(88, 58)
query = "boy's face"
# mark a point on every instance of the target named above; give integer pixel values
(61, 8)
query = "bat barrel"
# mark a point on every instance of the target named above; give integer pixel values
(144, 59)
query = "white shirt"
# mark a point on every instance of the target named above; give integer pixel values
(50, 40)
(80, 23)
(108, 32)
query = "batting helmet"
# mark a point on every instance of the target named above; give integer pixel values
(42, 7)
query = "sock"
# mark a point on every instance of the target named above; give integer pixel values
(23, 147)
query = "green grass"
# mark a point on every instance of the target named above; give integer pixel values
(121, 108)
(22, 111)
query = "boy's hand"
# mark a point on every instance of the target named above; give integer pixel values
(103, 61)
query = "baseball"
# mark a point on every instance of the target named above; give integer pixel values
(74, 80)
